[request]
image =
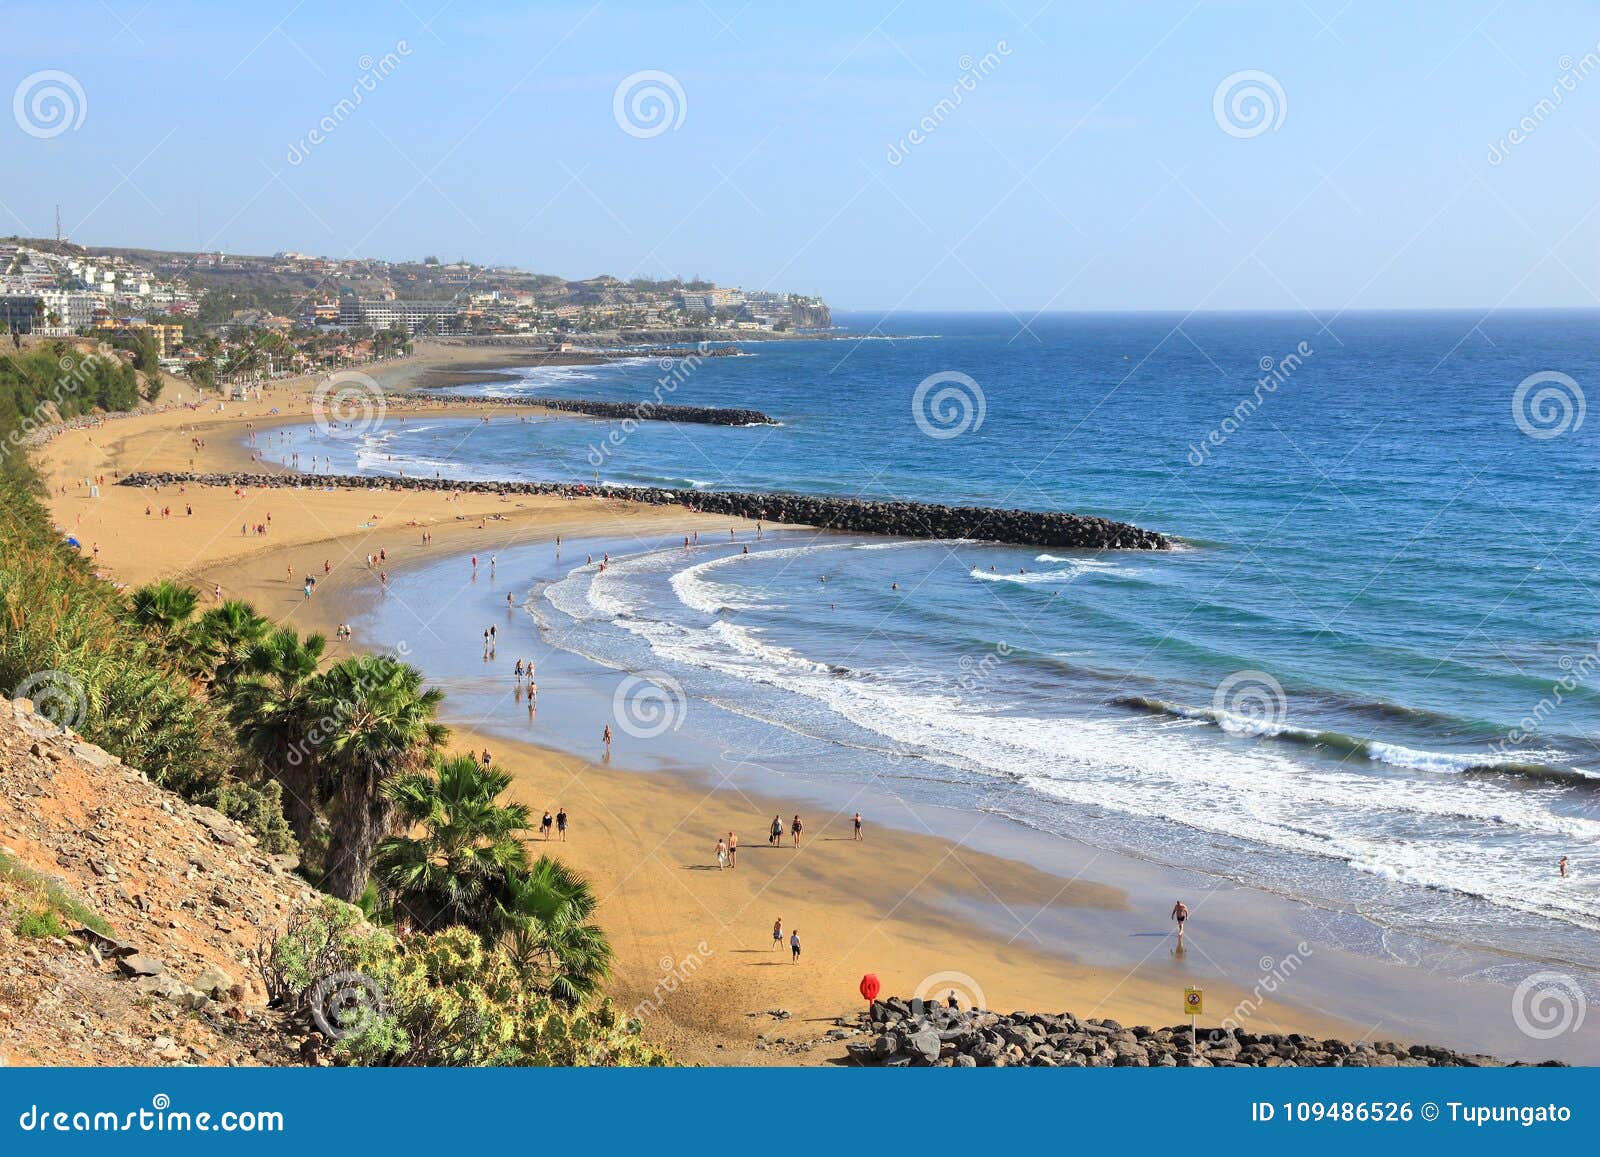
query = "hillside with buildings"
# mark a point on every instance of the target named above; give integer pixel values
(236, 319)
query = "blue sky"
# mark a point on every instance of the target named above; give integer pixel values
(1087, 167)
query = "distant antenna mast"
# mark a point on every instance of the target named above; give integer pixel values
(58, 224)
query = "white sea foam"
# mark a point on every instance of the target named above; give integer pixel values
(1448, 833)
(1075, 569)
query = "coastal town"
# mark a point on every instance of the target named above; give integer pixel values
(233, 320)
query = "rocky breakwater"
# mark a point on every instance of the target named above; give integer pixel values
(620, 411)
(863, 516)
(913, 1032)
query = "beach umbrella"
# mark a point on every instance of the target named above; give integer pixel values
(74, 542)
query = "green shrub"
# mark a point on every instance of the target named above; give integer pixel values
(259, 807)
(442, 999)
(40, 925)
(42, 901)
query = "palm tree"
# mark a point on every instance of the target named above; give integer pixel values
(467, 845)
(164, 609)
(223, 638)
(271, 707)
(547, 931)
(374, 722)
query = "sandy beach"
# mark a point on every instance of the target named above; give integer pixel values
(645, 838)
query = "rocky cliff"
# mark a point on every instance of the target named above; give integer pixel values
(127, 916)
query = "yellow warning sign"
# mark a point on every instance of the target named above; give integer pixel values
(1193, 1002)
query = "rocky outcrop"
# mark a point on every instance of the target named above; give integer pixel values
(859, 515)
(913, 1032)
(127, 915)
(637, 411)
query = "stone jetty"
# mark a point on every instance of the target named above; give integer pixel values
(859, 515)
(638, 411)
(927, 1033)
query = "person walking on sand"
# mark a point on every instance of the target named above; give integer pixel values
(544, 824)
(605, 738)
(1180, 913)
(796, 828)
(722, 854)
(561, 823)
(777, 932)
(775, 836)
(733, 850)
(857, 824)
(794, 946)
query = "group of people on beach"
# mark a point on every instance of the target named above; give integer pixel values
(525, 667)
(560, 821)
(727, 849)
(794, 940)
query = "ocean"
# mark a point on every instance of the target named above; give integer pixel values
(1368, 676)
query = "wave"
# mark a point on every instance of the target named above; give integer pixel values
(1422, 830)
(1076, 568)
(1529, 765)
